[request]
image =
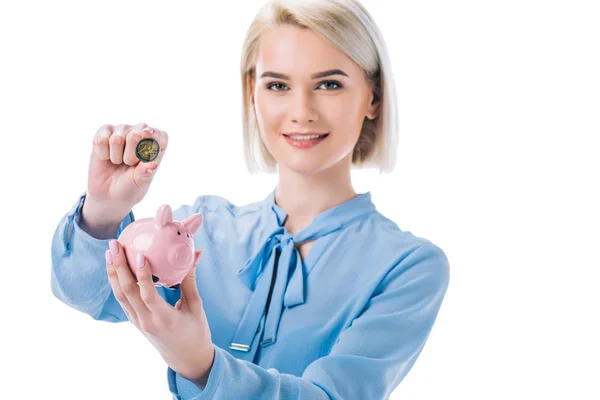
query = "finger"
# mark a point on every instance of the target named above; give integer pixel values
(179, 304)
(131, 142)
(117, 143)
(139, 127)
(189, 290)
(144, 172)
(134, 321)
(119, 295)
(155, 303)
(135, 134)
(101, 138)
(163, 140)
(127, 282)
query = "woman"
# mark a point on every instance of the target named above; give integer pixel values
(310, 293)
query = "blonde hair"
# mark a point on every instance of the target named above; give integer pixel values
(348, 26)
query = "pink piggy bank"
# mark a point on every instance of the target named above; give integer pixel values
(167, 245)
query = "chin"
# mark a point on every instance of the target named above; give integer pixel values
(303, 167)
(308, 165)
(308, 161)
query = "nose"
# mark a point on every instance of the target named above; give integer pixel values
(302, 109)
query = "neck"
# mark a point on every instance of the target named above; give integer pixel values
(303, 196)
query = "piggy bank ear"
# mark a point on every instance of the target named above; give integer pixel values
(164, 215)
(193, 222)
(197, 256)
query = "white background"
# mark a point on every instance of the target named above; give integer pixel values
(498, 165)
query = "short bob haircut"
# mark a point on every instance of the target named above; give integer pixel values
(348, 26)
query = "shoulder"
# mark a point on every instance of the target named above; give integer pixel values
(214, 204)
(380, 230)
(403, 253)
(225, 226)
(223, 219)
(219, 212)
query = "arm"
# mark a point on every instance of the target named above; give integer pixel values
(372, 355)
(78, 274)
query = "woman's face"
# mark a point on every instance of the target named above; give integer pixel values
(288, 99)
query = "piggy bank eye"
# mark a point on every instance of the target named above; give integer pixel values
(187, 235)
(178, 233)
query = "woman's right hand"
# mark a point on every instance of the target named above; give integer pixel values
(117, 179)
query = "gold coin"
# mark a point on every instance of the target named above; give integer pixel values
(147, 150)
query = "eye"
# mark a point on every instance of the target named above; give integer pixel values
(339, 86)
(269, 86)
(187, 235)
(279, 84)
(178, 233)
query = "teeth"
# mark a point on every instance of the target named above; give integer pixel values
(305, 137)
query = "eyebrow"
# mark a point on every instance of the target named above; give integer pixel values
(313, 76)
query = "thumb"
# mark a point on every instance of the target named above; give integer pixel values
(189, 291)
(144, 172)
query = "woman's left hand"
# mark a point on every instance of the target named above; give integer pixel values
(181, 334)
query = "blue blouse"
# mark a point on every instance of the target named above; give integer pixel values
(348, 322)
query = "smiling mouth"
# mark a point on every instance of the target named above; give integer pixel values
(306, 136)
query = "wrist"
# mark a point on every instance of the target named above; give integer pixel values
(202, 380)
(104, 212)
(101, 219)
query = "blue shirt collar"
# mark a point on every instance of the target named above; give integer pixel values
(343, 213)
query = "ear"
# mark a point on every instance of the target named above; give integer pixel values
(373, 110)
(197, 257)
(251, 88)
(164, 215)
(192, 223)
(374, 103)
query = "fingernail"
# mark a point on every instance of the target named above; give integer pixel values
(114, 247)
(108, 257)
(139, 259)
(151, 171)
(150, 130)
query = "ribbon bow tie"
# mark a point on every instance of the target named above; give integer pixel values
(289, 256)
(285, 292)
(277, 257)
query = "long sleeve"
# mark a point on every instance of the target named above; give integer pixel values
(78, 273)
(371, 356)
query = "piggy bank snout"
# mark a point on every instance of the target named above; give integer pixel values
(181, 256)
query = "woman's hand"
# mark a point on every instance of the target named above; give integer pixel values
(115, 174)
(181, 334)
(117, 180)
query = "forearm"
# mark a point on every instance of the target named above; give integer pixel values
(78, 275)
(231, 378)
